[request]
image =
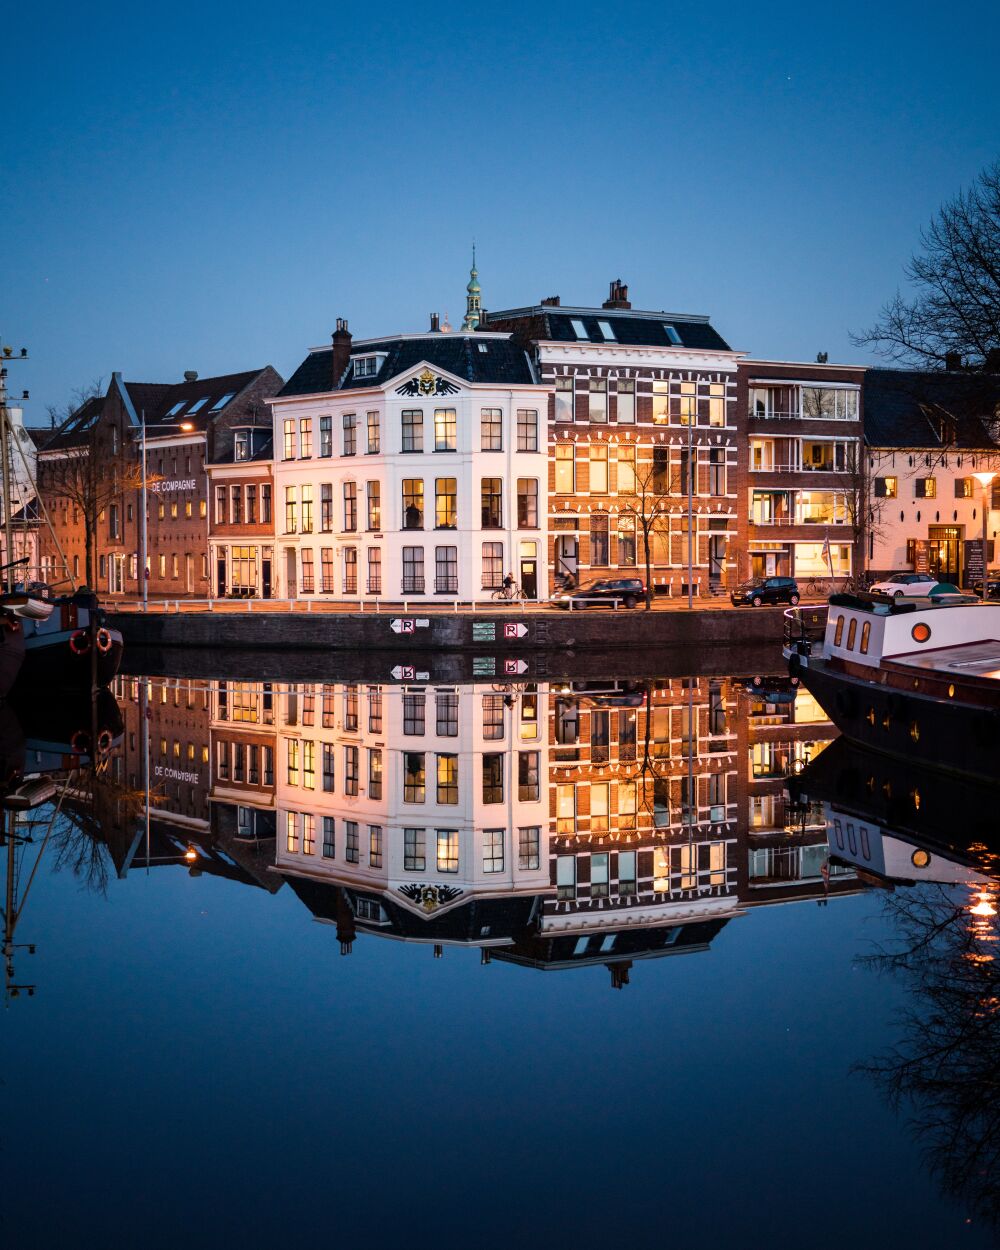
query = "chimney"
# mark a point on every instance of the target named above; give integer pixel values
(341, 351)
(952, 361)
(550, 301)
(190, 375)
(435, 324)
(618, 295)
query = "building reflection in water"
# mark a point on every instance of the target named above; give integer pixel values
(550, 824)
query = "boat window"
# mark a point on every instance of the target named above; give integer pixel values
(864, 843)
(852, 631)
(851, 840)
(866, 630)
(840, 631)
(838, 833)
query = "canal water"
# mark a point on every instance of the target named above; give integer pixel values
(463, 958)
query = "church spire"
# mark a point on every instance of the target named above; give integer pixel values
(473, 297)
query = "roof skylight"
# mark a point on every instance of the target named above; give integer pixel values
(221, 403)
(176, 408)
(608, 331)
(672, 335)
(198, 405)
(579, 329)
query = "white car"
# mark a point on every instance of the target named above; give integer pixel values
(906, 584)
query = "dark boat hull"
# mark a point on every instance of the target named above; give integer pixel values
(50, 660)
(11, 655)
(959, 738)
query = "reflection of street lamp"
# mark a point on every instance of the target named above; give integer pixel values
(186, 426)
(984, 480)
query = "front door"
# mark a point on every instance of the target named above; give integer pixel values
(529, 579)
(944, 553)
(116, 574)
(567, 557)
(220, 574)
(716, 556)
(291, 573)
(265, 576)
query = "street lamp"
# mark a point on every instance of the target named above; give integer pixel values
(984, 480)
(186, 426)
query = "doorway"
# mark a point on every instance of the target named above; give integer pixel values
(529, 577)
(567, 557)
(716, 558)
(265, 575)
(944, 553)
(220, 574)
(116, 574)
(291, 573)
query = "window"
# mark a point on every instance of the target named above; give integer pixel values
(626, 401)
(492, 565)
(329, 767)
(288, 429)
(308, 573)
(350, 506)
(925, 488)
(599, 875)
(626, 542)
(528, 790)
(292, 831)
(965, 488)
(414, 705)
(309, 765)
(447, 850)
(607, 331)
(350, 434)
(326, 571)
(627, 799)
(493, 729)
(374, 571)
(308, 835)
(717, 403)
(413, 429)
(375, 846)
(374, 436)
(365, 366)
(446, 706)
(527, 429)
(414, 779)
(672, 336)
(886, 487)
(492, 850)
(374, 773)
(565, 876)
(446, 570)
(292, 762)
(326, 436)
(598, 405)
(445, 503)
(564, 399)
(413, 503)
(305, 438)
(599, 805)
(579, 329)
(374, 495)
(492, 502)
(251, 505)
(599, 469)
(374, 710)
(447, 779)
(444, 429)
(565, 469)
(599, 539)
(829, 403)
(491, 429)
(307, 509)
(221, 515)
(350, 570)
(351, 771)
(414, 852)
(413, 570)
(565, 807)
(329, 837)
(527, 502)
(326, 508)
(265, 504)
(351, 848)
(528, 841)
(493, 778)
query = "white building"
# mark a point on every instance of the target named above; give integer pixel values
(411, 467)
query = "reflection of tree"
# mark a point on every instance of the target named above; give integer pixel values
(944, 1068)
(101, 816)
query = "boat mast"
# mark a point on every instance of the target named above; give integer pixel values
(8, 502)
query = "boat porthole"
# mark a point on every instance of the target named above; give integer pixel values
(915, 730)
(886, 721)
(920, 859)
(870, 716)
(951, 690)
(915, 796)
(920, 632)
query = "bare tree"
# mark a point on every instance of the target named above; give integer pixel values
(59, 416)
(647, 504)
(956, 279)
(864, 508)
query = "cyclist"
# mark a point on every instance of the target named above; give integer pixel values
(508, 585)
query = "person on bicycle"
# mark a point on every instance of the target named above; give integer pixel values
(508, 585)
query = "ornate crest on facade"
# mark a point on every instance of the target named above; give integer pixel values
(430, 897)
(426, 383)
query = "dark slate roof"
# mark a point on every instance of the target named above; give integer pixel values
(39, 434)
(74, 430)
(503, 362)
(634, 329)
(913, 408)
(158, 400)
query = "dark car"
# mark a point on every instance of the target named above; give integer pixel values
(762, 590)
(627, 590)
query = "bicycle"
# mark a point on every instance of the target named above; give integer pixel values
(512, 591)
(819, 586)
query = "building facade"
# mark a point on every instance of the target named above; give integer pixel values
(241, 516)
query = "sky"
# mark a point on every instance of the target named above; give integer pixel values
(210, 186)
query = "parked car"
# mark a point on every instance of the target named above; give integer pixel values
(761, 590)
(628, 590)
(905, 584)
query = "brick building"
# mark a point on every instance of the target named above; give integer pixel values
(642, 423)
(241, 515)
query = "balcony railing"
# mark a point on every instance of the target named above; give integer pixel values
(796, 468)
(413, 585)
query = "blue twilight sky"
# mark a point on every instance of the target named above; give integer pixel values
(209, 186)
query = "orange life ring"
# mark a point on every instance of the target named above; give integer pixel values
(80, 742)
(79, 642)
(104, 740)
(103, 641)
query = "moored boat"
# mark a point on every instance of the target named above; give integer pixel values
(72, 646)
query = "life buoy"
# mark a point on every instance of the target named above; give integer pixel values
(79, 642)
(104, 740)
(103, 641)
(80, 742)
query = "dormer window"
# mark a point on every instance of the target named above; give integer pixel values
(608, 331)
(579, 329)
(221, 402)
(365, 366)
(242, 445)
(198, 405)
(672, 335)
(482, 347)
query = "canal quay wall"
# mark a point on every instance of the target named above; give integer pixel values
(412, 633)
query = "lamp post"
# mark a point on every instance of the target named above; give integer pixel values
(984, 479)
(186, 426)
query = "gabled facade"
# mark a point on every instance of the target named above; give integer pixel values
(411, 468)
(241, 516)
(643, 422)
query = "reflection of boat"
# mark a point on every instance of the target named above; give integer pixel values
(916, 679)
(896, 824)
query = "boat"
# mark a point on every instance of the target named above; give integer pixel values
(71, 646)
(915, 678)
